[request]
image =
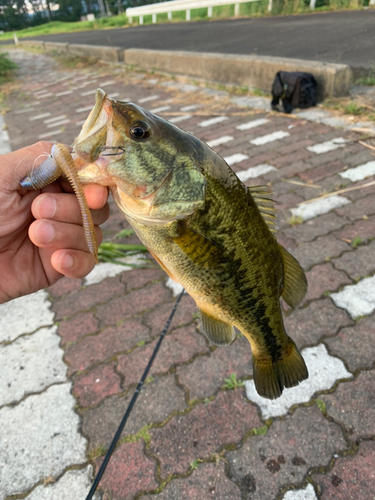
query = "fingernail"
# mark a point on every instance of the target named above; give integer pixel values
(46, 232)
(46, 206)
(66, 261)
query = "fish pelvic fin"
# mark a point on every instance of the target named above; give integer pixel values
(270, 377)
(217, 331)
(295, 282)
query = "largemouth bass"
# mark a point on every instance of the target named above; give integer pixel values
(206, 229)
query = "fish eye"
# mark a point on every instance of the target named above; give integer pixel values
(140, 130)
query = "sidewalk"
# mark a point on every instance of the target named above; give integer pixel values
(71, 355)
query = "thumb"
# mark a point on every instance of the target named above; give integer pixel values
(16, 165)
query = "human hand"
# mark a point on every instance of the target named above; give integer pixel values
(41, 233)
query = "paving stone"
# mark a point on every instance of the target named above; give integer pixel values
(352, 477)
(206, 374)
(355, 344)
(359, 418)
(99, 348)
(129, 472)
(24, 315)
(322, 171)
(324, 370)
(319, 207)
(137, 278)
(46, 442)
(358, 299)
(133, 303)
(203, 431)
(74, 329)
(254, 172)
(174, 286)
(324, 278)
(286, 201)
(74, 484)
(363, 229)
(318, 251)
(178, 347)
(30, 364)
(312, 228)
(358, 209)
(307, 493)
(208, 481)
(359, 262)
(64, 286)
(89, 297)
(359, 173)
(326, 146)
(156, 402)
(185, 314)
(109, 270)
(264, 464)
(99, 383)
(320, 319)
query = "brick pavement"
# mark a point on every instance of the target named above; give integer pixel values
(191, 436)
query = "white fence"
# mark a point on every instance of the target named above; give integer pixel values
(186, 5)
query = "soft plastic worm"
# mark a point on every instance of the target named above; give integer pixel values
(64, 161)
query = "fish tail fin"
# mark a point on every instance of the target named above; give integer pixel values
(270, 377)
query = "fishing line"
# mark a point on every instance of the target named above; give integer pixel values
(132, 402)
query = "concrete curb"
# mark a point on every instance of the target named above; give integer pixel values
(252, 71)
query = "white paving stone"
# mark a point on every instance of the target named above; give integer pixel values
(236, 158)
(213, 121)
(252, 124)
(324, 371)
(45, 95)
(89, 92)
(66, 92)
(24, 315)
(108, 82)
(73, 485)
(358, 299)
(39, 438)
(39, 117)
(359, 173)
(86, 108)
(109, 270)
(4, 138)
(190, 107)
(252, 102)
(181, 118)
(175, 287)
(30, 364)
(58, 124)
(148, 99)
(159, 109)
(319, 207)
(314, 115)
(49, 134)
(254, 172)
(55, 119)
(307, 493)
(265, 139)
(325, 147)
(220, 140)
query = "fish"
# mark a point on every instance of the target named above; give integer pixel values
(206, 229)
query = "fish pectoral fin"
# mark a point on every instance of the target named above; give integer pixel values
(289, 370)
(202, 251)
(295, 282)
(217, 331)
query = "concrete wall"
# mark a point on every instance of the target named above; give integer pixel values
(252, 71)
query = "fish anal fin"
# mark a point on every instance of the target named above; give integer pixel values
(271, 378)
(217, 331)
(295, 282)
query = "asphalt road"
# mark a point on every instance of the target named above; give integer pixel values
(343, 37)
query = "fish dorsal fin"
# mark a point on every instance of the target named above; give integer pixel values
(295, 282)
(217, 331)
(262, 196)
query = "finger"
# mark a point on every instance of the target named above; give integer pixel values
(54, 235)
(72, 263)
(64, 207)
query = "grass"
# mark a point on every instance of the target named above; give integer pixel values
(112, 252)
(353, 109)
(232, 382)
(356, 242)
(366, 80)
(7, 68)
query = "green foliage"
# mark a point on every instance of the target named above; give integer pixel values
(353, 109)
(321, 405)
(366, 80)
(232, 382)
(6, 65)
(260, 431)
(195, 464)
(357, 241)
(112, 252)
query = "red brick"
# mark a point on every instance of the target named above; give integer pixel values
(133, 303)
(322, 171)
(140, 277)
(318, 251)
(94, 386)
(352, 477)
(178, 347)
(324, 278)
(206, 374)
(364, 229)
(88, 298)
(203, 431)
(76, 328)
(129, 472)
(64, 286)
(99, 348)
